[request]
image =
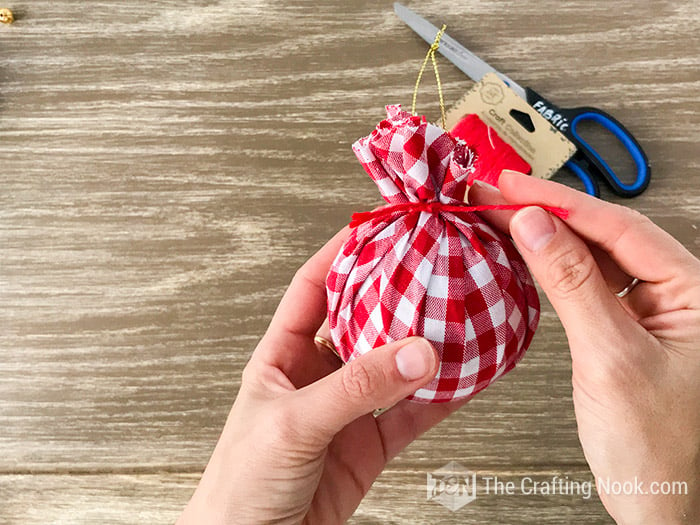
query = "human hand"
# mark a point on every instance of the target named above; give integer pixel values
(301, 443)
(635, 360)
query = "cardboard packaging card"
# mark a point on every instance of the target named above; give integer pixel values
(517, 123)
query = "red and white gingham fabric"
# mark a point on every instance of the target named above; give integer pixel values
(446, 276)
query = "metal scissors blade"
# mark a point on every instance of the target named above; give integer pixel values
(460, 56)
(587, 163)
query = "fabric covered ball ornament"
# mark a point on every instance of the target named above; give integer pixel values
(427, 264)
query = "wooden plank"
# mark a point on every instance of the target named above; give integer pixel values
(117, 407)
(109, 499)
(167, 166)
(397, 497)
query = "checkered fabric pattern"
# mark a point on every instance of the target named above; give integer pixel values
(448, 277)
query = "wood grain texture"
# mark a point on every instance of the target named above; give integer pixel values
(166, 166)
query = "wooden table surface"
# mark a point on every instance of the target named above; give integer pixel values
(167, 165)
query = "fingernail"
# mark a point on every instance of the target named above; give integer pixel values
(533, 227)
(415, 359)
(484, 186)
(511, 172)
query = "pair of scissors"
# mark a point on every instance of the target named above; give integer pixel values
(587, 164)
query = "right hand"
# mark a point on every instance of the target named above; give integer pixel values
(635, 360)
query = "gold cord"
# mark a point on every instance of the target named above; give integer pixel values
(431, 55)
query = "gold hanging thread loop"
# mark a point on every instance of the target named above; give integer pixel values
(431, 56)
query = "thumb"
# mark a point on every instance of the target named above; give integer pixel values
(565, 268)
(378, 379)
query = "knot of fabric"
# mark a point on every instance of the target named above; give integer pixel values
(411, 160)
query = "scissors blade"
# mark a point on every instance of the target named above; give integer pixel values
(460, 56)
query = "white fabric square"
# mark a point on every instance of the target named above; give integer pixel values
(439, 286)
(405, 311)
(498, 313)
(434, 329)
(481, 273)
(471, 367)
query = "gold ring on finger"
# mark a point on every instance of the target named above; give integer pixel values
(327, 344)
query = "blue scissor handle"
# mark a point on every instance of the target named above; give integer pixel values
(589, 183)
(589, 160)
(586, 163)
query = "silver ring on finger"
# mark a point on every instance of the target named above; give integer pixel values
(627, 289)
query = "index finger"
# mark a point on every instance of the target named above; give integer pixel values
(640, 247)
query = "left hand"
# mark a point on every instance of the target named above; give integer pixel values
(301, 443)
